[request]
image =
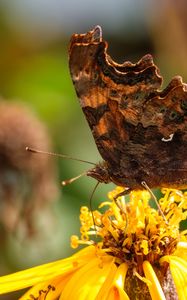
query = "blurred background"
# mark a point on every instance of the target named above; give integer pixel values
(39, 107)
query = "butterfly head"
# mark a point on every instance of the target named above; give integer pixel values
(100, 173)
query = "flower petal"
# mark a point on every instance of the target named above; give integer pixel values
(117, 294)
(155, 287)
(113, 287)
(181, 250)
(43, 273)
(54, 288)
(107, 284)
(117, 290)
(87, 281)
(178, 267)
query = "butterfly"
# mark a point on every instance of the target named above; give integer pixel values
(140, 130)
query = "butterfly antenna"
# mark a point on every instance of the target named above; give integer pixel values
(58, 155)
(155, 199)
(68, 181)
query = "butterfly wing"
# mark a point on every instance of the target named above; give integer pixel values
(102, 87)
(135, 126)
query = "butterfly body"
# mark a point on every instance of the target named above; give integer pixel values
(140, 131)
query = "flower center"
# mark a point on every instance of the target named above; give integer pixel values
(135, 231)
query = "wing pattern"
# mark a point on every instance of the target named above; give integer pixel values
(138, 129)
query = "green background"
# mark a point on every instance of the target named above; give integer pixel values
(34, 70)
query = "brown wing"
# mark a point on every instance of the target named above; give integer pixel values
(135, 126)
(103, 87)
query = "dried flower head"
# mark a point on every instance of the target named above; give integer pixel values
(27, 181)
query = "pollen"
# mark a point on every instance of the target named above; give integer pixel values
(133, 231)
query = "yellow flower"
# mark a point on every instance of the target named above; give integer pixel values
(140, 253)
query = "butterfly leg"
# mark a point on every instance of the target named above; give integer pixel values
(146, 187)
(123, 193)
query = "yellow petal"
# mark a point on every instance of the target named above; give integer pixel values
(57, 285)
(113, 287)
(87, 281)
(177, 261)
(178, 267)
(117, 290)
(117, 294)
(43, 273)
(180, 282)
(181, 250)
(107, 284)
(155, 289)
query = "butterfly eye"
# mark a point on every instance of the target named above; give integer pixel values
(173, 115)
